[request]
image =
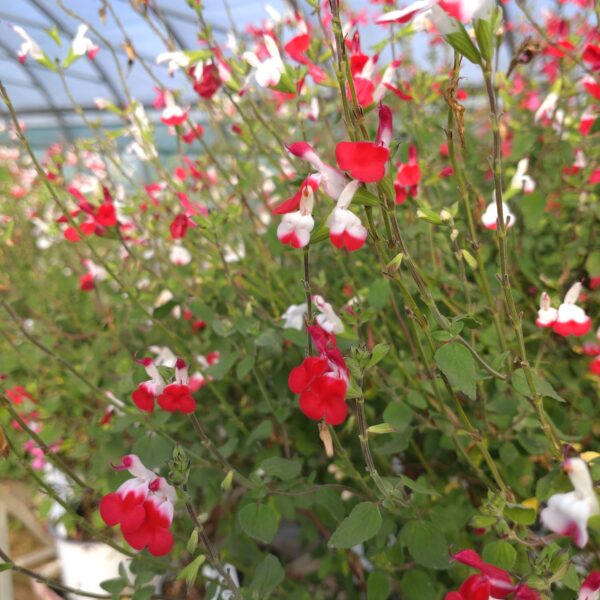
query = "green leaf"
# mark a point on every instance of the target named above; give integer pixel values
(501, 554)
(520, 384)
(70, 59)
(485, 38)
(360, 525)
(190, 572)
(426, 544)
(379, 293)
(398, 414)
(269, 574)
(220, 369)
(462, 43)
(320, 234)
(378, 586)
(378, 354)
(457, 364)
(245, 366)
(282, 468)
(153, 450)
(364, 197)
(144, 593)
(523, 515)
(268, 339)
(114, 586)
(417, 585)
(259, 521)
(261, 432)
(55, 35)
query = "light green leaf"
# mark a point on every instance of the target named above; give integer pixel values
(500, 553)
(520, 384)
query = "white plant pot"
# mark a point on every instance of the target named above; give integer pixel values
(85, 565)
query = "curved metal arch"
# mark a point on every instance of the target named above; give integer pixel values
(62, 26)
(39, 85)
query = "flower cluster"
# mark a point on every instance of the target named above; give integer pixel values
(365, 162)
(322, 380)
(173, 397)
(143, 507)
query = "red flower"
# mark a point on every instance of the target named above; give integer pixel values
(18, 394)
(209, 82)
(86, 282)
(409, 174)
(143, 397)
(492, 583)
(179, 226)
(106, 215)
(143, 507)
(365, 161)
(177, 397)
(322, 395)
(595, 366)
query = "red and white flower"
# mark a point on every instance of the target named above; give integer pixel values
(174, 60)
(461, 10)
(571, 319)
(296, 226)
(322, 380)
(28, 47)
(547, 315)
(345, 228)
(327, 319)
(492, 583)
(567, 514)
(143, 507)
(172, 114)
(367, 161)
(521, 181)
(177, 396)
(268, 72)
(83, 45)
(490, 216)
(332, 180)
(590, 589)
(147, 392)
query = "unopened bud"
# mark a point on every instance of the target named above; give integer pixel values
(445, 215)
(454, 234)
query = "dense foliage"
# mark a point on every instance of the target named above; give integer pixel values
(417, 409)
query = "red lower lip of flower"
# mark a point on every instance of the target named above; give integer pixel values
(177, 398)
(572, 328)
(345, 240)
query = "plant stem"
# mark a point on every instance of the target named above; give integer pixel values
(514, 316)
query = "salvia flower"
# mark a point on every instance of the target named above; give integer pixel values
(492, 582)
(172, 114)
(173, 397)
(293, 317)
(461, 10)
(28, 47)
(332, 180)
(490, 216)
(571, 319)
(345, 228)
(296, 226)
(142, 507)
(327, 319)
(547, 314)
(522, 181)
(83, 45)
(322, 380)
(590, 589)
(268, 72)
(567, 514)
